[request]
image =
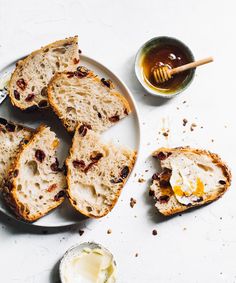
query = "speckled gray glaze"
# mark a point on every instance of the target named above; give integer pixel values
(158, 41)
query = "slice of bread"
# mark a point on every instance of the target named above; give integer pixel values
(11, 137)
(28, 83)
(96, 173)
(189, 178)
(35, 184)
(82, 97)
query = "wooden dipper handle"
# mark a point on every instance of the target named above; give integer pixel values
(190, 65)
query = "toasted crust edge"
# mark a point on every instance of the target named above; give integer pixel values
(215, 157)
(22, 62)
(9, 194)
(90, 74)
(90, 215)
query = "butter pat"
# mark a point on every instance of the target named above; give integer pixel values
(193, 177)
(88, 263)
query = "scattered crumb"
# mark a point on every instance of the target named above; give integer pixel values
(177, 108)
(148, 143)
(81, 232)
(132, 202)
(154, 232)
(141, 180)
(185, 121)
(109, 231)
(136, 255)
(212, 140)
(201, 127)
(184, 228)
(193, 126)
(146, 170)
(184, 101)
(135, 174)
(165, 134)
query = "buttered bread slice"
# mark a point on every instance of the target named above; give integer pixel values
(96, 173)
(189, 178)
(82, 97)
(28, 84)
(35, 184)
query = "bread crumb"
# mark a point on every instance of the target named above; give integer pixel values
(165, 134)
(154, 232)
(132, 202)
(109, 231)
(141, 180)
(81, 232)
(193, 125)
(185, 121)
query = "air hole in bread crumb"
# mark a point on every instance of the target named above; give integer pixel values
(19, 188)
(89, 208)
(33, 167)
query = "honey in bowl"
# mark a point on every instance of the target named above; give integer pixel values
(170, 52)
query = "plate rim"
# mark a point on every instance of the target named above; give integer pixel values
(135, 109)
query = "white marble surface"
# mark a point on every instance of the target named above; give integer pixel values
(199, 246)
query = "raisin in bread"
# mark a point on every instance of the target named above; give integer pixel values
(35, 184)
(28, 83)
(11, 137)
(189, 178)
(96, 173)
(82, 97)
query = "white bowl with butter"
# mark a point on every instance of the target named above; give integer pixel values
(88, 263)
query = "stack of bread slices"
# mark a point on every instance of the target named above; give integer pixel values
(32, 181)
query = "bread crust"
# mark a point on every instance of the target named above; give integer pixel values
(22, 62)
(214, 196)
(89, 75)
(9, 189)
(70, 196)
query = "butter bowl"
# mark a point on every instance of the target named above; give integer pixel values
(88, 262)
(160, 51)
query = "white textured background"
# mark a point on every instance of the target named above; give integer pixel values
(199, 246)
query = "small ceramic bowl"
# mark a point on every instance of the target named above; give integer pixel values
(156, 42)
(76, 250)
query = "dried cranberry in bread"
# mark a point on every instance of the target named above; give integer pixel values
(28, 83)
(189, 178)
(96, 173)
(35, 184)
(82, 97)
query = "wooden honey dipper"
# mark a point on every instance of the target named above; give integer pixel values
(164, 73)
